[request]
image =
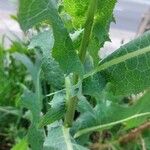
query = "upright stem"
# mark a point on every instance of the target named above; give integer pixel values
(71, 107)
(87, 30)
(72, 101)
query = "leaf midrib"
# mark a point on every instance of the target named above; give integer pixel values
(117, 60)
(67, 138)
(110, 63)
(105, 126)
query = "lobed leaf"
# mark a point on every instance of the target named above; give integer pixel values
(131, 75)
(59, 138)
(92, 85)
(35, 135)
(56, 112)
(33, 101)
(103, 17)
(77, 10)
(84, 105)
(26, 62)
(34, 12)
(100, 33)
(105, 116)
(43, 40)
(128, 67)
(52, 71)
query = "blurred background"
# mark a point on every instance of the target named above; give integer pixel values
(132, 18)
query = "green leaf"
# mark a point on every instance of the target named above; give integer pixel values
(130, 76)
(87, 116)
(34, 12)
(92, 85)
(26, 62)
(100, 33)
(52, 72)
(43, 40)
(33, 100)
(84, 105)
(93, 49)
(77, 10)
(58, 99)
(33, 69)
(76, 37)
(52, 115)
(107, 126)
(23, 145)
(128, 68)
(56, 112)
(103, 17)
(105, 116)
(30, 102)
(35, 137)
(59, 138)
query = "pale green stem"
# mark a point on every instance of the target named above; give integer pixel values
(72, 101)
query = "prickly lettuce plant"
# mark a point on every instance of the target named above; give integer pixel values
(82, 103)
